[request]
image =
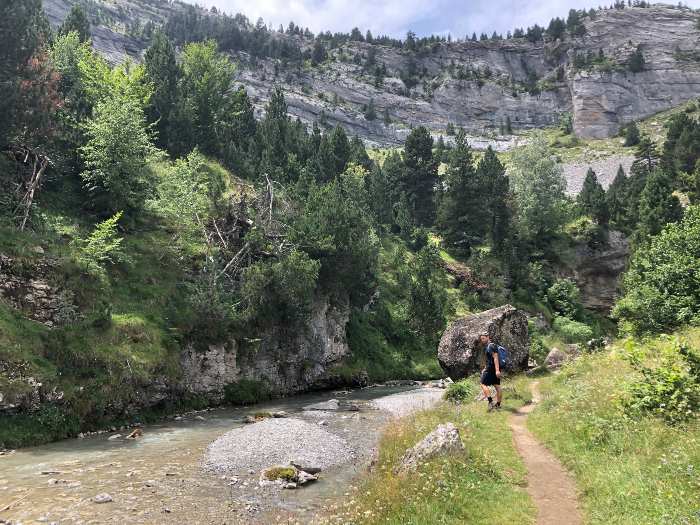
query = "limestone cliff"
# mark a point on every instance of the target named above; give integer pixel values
(601, 97)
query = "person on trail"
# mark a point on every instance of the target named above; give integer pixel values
(491, 374)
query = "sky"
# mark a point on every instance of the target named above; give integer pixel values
(396, 17)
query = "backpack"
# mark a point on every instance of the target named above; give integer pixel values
(503, 357)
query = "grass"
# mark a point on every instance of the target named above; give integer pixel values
(629, 469)
(483, 485)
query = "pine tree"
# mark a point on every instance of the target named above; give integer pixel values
(420, 175)
(658, 205)
(631, 135)
(318, 55)
(358, 154)
(163, 72)
(76, 21)
(616, 199)
(340, 145)
(592, 200)
(462, 215)
(494, 185)
(370, 111)
(636, 61)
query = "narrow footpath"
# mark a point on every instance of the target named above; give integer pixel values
(550, 486)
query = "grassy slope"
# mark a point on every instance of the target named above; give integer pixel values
(482, 486)
(629, 470)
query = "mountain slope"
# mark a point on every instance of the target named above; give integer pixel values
(476, 85)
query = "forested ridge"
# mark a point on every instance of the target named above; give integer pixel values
(170, 217)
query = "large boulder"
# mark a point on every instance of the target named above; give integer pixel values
(460, 353)
(444, 439)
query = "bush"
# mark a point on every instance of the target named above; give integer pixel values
(572, 331)
(565, 298)
(101, 248)
(670, 389)
(461, 391)
(661, 287)
(586, 230)
(246, 392)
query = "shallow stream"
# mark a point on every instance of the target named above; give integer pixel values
(158, 478)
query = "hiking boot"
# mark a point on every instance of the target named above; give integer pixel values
(491, 406)
(497, 406)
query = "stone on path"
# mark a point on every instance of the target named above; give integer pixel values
(556, 358)
(102, 498)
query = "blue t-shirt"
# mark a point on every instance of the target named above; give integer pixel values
(491, 348)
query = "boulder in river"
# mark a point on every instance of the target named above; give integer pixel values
(460, 352)
(444, 439)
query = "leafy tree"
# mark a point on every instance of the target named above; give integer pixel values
(116, 157)
(76, 21)
(538, 187)
(164, 73)
(592, 200)
(206, 87)
(631, 135)
(657, 204)
(565, 298)
(661, 288)
(616, 199)
(420, 176)
(462, 214)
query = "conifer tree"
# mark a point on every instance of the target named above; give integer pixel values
(592, 200)
(491, 175)
(658, 205)
(616, 199)
(631, 135)
(420, 176)
(340, 146)
(358, 154)
(76, 21)
(163, 72)
(462, 215)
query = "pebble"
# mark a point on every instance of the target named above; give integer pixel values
(102, 498)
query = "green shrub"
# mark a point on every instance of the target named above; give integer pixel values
(538, 350)
(101, 248)
(661, 287)
(565, 298)
(246, 392)
(461, 391)
(586, 230)
(572, 331)
(670, 388)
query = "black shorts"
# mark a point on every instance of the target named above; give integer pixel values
(489, 378)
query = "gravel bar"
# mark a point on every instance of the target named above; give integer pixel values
(276, 442)
(405, 403)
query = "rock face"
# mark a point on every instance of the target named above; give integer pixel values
(460, 353)
(600, 98)
(286, 362)
(29, 290)
(597, 271)
(444, 439)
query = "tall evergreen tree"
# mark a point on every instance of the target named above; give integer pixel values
(420, 176)
(592, 200)
(494, 184)
(341, 149)
(463, 212)
(631, 135)
(616, 198)
(358, 154)
(24, 30)
(163, 72)
(658, 205)
(76, 21)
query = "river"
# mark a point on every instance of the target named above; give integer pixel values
(158, 477)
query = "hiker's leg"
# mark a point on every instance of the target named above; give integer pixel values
(499, 394)
(486, 390)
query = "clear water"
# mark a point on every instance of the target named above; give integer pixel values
(158, 478)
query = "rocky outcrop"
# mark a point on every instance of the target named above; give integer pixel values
(597, 271)
(287, 361)
(445, 439)
(460, 352)
(27, 287)
(600, 98)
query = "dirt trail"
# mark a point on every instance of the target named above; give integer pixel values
(550, 486)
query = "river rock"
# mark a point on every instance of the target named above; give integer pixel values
(460, 352)
(331, 404)
(102, 498)
(305, 477)
(306, 467)
(444, 439)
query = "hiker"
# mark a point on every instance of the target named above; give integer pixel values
(491, 374)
